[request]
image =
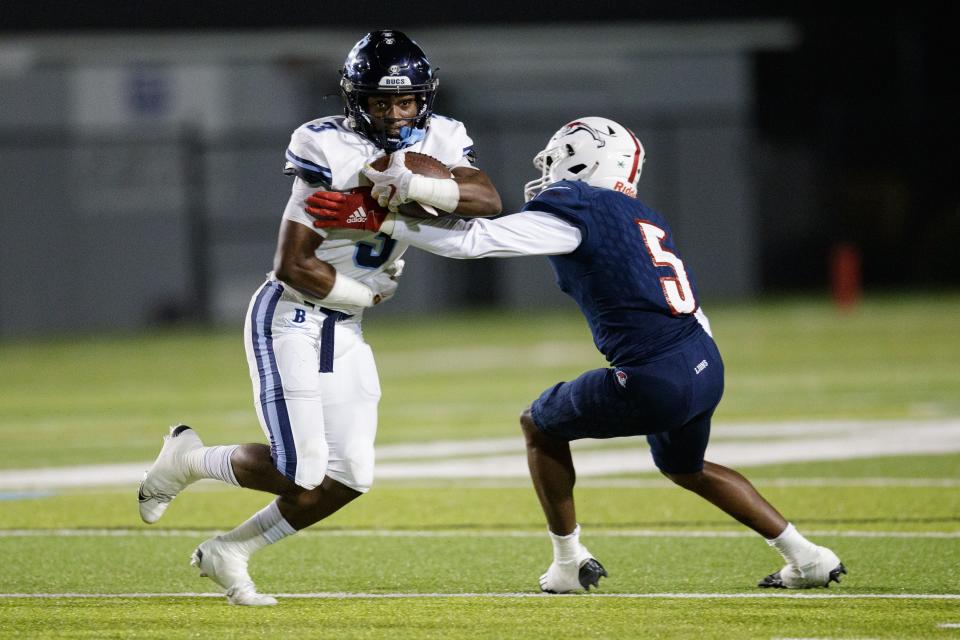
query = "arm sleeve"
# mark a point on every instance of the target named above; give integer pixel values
(308, 165)
(532, 233)
(463, 141)
(469, 158)
(307, 161)
(294, 210)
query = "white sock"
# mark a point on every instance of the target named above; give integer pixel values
(794, 548)
(264, 527)
(213, 463)
(565, 548)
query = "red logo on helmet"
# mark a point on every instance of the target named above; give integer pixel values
(576, 125)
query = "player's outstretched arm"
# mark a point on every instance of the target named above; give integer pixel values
(528, 234)
(478, 197)
(296, 264)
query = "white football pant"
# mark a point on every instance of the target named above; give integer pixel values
(319, 422)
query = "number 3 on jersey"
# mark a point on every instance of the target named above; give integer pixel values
(373, 255)
(676, 289)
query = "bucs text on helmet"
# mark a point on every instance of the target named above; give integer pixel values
(594, 150)
(387, 62)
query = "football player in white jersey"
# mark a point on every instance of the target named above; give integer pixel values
(315, 384)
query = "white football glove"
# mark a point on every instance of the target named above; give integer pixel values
(385, 283)
(391, 187)
(395, 270)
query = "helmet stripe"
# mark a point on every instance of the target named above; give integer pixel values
(636, 156)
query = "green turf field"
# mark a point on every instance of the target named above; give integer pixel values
(442, 558)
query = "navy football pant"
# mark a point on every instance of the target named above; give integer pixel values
(670, 399)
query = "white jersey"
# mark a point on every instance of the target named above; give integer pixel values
(327, 154)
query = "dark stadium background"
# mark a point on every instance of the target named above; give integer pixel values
(871, 96)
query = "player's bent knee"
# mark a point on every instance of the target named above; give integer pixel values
(527, 425)
(308, 479)
(534, 436)
(311, 464)
(359, 483)
(358, 468)
(685, 480)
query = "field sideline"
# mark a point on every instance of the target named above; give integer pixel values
(848, 423)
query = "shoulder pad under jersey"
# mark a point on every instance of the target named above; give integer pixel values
(305, 156)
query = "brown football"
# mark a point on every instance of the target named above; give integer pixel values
(422, 165)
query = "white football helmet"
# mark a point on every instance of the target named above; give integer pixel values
(594, 150)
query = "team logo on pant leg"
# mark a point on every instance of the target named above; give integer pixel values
(621, 377)
(299, 315)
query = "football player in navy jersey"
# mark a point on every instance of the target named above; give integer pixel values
(315, 383)
(616, 257)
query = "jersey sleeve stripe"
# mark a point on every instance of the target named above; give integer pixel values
(308, 166)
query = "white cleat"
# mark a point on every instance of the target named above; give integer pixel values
(582, 573)
(169, 474)
(823, 570)
(218, 561)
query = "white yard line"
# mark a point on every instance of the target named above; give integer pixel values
(767, 595)
(460, 533)
(639, 483)
(732, 444)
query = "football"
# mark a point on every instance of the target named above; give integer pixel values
(422, 165)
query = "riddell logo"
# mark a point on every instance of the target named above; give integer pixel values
(357, 217)
(625, 188)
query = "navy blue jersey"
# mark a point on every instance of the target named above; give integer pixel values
(626, 275)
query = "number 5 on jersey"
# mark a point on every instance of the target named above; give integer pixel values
(676, 289)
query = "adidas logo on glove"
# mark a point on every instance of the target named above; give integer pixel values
(354, 210)
(357, 217)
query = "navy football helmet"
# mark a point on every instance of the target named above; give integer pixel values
(387, 62)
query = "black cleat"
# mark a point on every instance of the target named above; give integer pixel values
(590, 574)
(775, 580)
(177, 430)
(772, 581)
(835, 575)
